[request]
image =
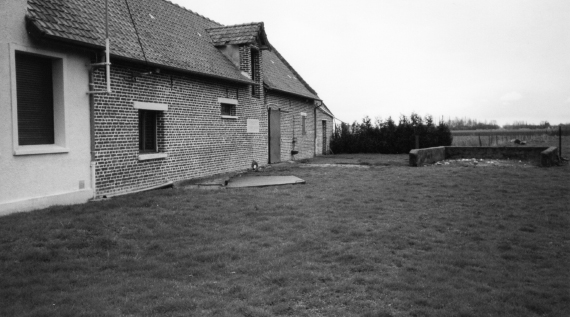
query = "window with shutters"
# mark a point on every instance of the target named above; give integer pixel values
(34, 88)
(38, 109)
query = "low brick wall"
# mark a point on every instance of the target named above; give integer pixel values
(544, 156)
(499, 153)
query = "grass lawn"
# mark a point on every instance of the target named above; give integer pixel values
(380, 241)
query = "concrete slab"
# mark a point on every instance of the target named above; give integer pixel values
(211, 182)
(262, 181)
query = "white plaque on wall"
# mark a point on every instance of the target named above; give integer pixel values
(252, 126)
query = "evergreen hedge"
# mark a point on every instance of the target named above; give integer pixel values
(387, 137)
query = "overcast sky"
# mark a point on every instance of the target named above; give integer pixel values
(486, 60)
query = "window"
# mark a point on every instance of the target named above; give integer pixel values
(147, 131)
(38, 107)
(304, 123)
(150, 130)
(34, 87)
(254, 71)
(228, 108)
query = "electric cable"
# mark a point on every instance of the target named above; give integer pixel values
(136, 31)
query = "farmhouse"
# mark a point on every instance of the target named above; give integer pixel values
(176, 96)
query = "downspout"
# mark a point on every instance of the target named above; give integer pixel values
(107, 48)
(93, 163)
(315, 131)
(91, 92)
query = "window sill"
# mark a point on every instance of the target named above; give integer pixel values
(229, 117)
(40, 149)
(152, 156)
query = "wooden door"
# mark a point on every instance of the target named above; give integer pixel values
(274, 136)
(324, 137)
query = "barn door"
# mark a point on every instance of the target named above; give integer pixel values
(274, 136)
(324, 137)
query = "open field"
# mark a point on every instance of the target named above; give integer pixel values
(388, 240)
(553, 131)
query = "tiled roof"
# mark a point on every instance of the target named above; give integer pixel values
(279, 75)
(238, 34)
(170, 35)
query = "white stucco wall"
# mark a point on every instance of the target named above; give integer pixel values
(30, 181)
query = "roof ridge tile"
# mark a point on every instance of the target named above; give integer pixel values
(234, 25)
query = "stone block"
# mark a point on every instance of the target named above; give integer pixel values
(418, 157)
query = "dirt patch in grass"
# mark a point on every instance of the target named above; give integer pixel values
(361, 159)
(382, 241)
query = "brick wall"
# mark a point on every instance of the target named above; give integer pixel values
(197, 140)
(291, 124)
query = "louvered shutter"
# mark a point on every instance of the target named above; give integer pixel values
(35, 99)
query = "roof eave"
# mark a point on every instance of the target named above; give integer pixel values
(35, 31)
(326, 110)
(268, 87)
(183, 70)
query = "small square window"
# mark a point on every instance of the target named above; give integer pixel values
(228, 110)
(148, 131)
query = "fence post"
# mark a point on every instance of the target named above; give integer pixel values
(417, 141)
(560, 141)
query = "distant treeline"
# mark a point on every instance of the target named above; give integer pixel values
(461, 124)
(471, 124)
(555, 129)
(387, 137)
(525, 125)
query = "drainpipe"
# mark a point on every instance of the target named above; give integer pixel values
(107, 49)
(92, 133)
(315, 130)
(91, 93)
